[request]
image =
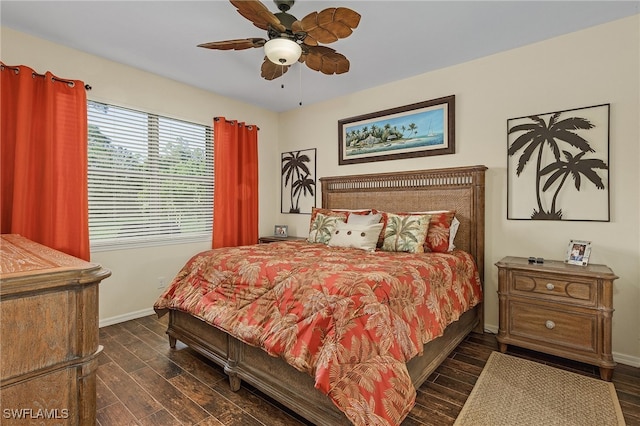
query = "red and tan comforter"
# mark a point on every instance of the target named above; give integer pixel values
(349, 318)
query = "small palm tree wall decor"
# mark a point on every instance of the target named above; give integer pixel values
(298, 181)
(558, 165)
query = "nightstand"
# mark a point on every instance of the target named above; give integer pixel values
(273, 239)
(556, 308)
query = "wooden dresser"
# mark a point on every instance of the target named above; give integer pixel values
(556, 308)
(48, 335)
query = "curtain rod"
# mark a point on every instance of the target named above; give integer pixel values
(71, 83)
(233, 121)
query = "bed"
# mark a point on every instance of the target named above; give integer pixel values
(460, 189)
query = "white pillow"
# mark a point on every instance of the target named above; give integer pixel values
(363, 237)
(364, 219)
(455, 223)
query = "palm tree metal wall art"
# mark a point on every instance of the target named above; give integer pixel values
(298, 181)
(560, 161)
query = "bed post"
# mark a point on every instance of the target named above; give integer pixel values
(479, 195)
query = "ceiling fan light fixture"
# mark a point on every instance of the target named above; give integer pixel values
(282, 51)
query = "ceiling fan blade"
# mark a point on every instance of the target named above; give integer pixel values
(271, 71)
(327, 26)
(325, 60)
(258, 13)
(239, 44)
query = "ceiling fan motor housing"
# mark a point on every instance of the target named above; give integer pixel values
(286, 19)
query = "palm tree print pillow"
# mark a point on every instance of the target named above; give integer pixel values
(334, 212)
(441, 232)
(406, 233)
(323, 226)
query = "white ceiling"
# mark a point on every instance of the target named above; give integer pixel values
(395, 39)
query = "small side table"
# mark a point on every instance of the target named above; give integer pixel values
(274, 239)
(559, 309)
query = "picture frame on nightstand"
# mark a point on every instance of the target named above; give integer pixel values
(280, 231)
(578, 252)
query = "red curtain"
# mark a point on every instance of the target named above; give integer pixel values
(43, 159)
(235, 201)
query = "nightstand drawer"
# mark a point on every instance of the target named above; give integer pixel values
(553, 287)
(555, 326)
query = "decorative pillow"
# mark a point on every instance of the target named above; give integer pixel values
(439, 235)
(364, 219)
(363, 237)
(322, 228)
(334, 212)
(455, 224)
(406, 232)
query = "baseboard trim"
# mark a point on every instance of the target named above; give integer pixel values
(125, 317)
(625, 359)
(633, 361)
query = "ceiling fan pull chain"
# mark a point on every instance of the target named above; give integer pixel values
(300, 69)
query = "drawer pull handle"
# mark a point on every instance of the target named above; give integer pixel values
(550, 286)
(550, 324)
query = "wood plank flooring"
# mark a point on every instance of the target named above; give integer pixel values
(141, 381)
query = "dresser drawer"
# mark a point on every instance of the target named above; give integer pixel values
(553, 325)
(554, 287)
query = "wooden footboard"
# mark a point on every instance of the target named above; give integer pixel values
(278, 380)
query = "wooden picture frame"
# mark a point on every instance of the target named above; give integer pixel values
(415, 130)
(578, 252)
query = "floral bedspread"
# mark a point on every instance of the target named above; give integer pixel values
(347, 317)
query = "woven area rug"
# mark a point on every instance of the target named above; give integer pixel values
(513, 391)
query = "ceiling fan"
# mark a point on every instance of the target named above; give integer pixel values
(292, 40)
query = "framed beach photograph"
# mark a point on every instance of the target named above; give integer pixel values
(280, 231)
(416, 130)
(578, 252)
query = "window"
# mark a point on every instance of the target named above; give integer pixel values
(150, 178)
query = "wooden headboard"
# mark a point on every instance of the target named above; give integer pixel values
(459, 188)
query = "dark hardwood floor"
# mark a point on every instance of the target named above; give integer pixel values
(141, 381)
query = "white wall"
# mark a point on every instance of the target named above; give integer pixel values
(595, 66)
(132, 288)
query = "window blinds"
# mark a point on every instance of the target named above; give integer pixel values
(150, 178)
